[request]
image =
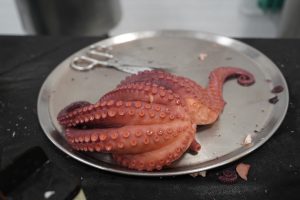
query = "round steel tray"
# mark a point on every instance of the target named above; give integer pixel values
(247, 110)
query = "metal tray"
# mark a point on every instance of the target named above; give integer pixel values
(247, 110)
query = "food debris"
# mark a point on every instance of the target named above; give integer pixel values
(48, 194)
(266, 191)
(150, 48)
(242, 169)
(202, 173)
(202, 56)
(13, 134)
(151, 98)
(228, 177)
(248, 140)
(273, 100)
(268, 81)
(277, 89)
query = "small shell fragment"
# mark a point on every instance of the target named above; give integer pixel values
(248, 140)
(202, 173)
(202, 56)
(242, 169)
(48, 194)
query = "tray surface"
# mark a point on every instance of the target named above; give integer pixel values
(247, 111)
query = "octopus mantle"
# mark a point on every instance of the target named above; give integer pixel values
(150, 119)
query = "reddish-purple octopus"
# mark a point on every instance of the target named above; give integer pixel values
(149, 120)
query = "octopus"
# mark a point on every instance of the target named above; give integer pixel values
(149, 120)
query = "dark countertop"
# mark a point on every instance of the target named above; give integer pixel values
(25, 62)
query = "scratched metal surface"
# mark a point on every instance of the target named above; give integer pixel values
(247, 110)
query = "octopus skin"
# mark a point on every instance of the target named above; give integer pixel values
(149, 120)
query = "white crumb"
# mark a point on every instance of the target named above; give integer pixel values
(202, 56)
(248, 139)
(48, 194)
(14, 134)
(202, 173)
(151, 98)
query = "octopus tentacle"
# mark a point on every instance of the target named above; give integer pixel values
(119, 113)
(158, 158)
(143, 76)
(146, 92)
(128, 139)
(216, 81)
(64, 113)
(195, 146)
(183, 86)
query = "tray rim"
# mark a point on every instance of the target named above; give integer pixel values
(49, 128)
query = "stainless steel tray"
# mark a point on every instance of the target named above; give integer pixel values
(247, 110)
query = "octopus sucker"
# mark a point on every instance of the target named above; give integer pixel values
(149, 120)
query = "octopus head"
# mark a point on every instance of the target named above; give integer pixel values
(199, 113)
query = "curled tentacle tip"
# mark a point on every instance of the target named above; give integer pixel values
(246, 79)
(197, 147)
